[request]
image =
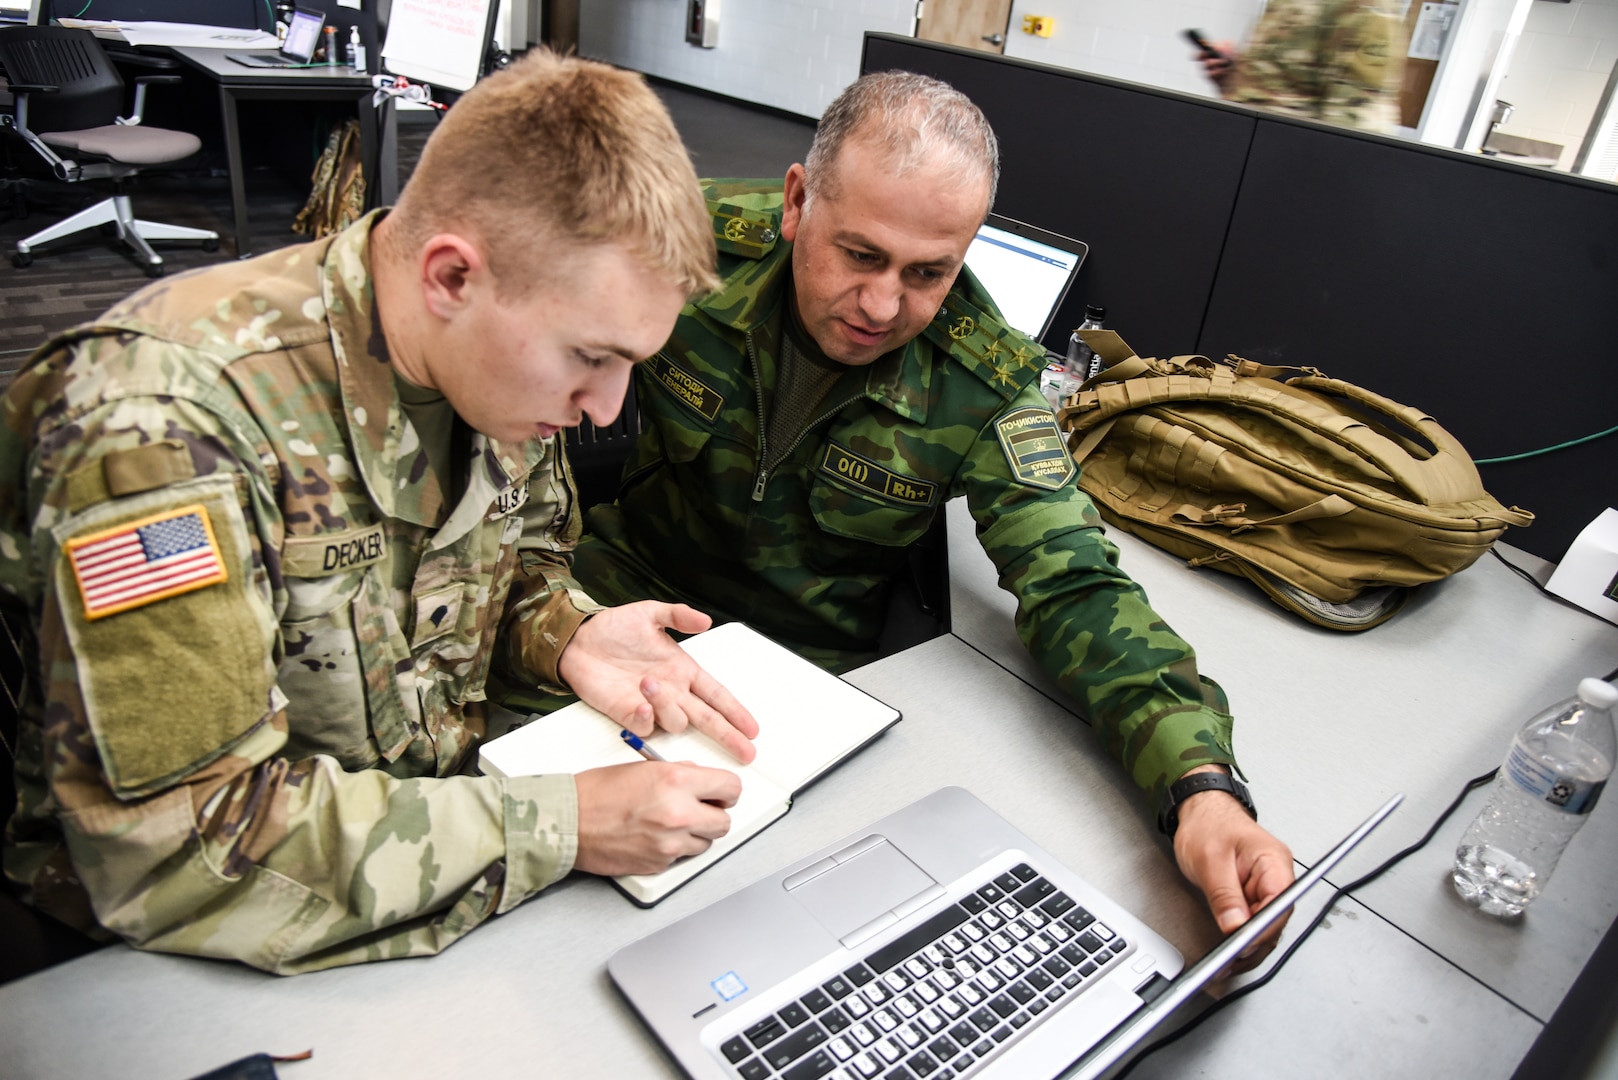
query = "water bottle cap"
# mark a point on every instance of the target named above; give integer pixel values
(1598, 693)
(1094, 311)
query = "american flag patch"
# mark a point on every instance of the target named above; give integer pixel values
(142, 561)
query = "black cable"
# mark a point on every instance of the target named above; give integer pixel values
(1195, 1022)
(1519, 571)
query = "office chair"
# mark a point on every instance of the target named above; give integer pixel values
(66, 97)
(596, 455)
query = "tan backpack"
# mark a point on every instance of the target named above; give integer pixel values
(337, 186)
(1333, 499)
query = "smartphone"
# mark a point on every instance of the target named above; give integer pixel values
(1196, 38)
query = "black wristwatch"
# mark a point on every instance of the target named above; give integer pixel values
(1168, 819)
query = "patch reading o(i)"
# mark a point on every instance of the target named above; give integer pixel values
(1034, 448)
(865, 473)
(140, 562)
(690, 390)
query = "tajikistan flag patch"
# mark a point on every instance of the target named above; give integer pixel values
(144, 561)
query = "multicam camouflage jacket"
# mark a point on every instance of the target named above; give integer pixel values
(1340, 61)
(808, 552)
(262, 630)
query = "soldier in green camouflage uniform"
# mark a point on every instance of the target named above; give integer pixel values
(800, 530)
(1340, 61)
(267, 531)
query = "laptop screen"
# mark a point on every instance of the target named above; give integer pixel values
(1027, 270)
(303, 36)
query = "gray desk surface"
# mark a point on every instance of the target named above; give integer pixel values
(1328, 723)
(1370, 995)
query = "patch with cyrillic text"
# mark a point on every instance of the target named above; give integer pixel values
(1034, 448)
(703, 399)
(862, 472)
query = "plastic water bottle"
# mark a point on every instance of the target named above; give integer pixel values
(1550, 782)
(1082, 362)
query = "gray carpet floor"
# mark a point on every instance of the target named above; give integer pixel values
(75, 279)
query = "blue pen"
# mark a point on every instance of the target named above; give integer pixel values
(637, 744)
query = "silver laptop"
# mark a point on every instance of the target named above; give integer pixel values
(940, 941)
(297, 49)
(1026, 269)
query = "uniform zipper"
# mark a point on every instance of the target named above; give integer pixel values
(763, 477)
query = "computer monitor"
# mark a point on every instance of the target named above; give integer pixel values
(1027, 270)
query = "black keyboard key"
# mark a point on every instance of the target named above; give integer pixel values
(984, 1019)
(1038, 1005)
(1078, 918)
(982, 1049)
(1089, 943)
(815, 1001)
(835, 1020)
(784, 1052)
(1007, 882)
(1003, 1005)
(1057, 904)
(765, 1031)
(812, 1067)
(1033, 892)
(1087, 968)
(1001, 1033)
(943, 1048)
(753, 1069)
(1022, 992)
(1072, 979)
(899, 1072)
(734, 1050)
(964, 1033)
(1024, 872)
(1020, 1019)
(1072, 954)
(920, 1064)
(794, 1014)
(1118, 946)
(1057, 966)
(1039, 980)
(859, 975)
(838, 987)
(925, 934)
(974, 903)
(992, 893)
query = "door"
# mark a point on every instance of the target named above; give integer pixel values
(973, 24)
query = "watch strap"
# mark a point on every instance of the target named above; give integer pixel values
(1187, 786)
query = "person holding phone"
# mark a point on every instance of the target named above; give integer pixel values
(1339, 61)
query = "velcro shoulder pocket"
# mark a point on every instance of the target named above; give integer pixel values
(171, 642)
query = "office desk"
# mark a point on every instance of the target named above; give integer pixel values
(237, 82)
(528, 993)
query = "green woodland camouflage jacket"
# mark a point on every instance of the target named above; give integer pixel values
(806, 554)
(1340, 61)
(264, 632)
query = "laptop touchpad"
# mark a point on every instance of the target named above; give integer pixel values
(861, 887)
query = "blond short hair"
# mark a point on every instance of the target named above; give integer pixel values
(559, 150)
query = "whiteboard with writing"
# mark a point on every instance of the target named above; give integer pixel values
(441, 42)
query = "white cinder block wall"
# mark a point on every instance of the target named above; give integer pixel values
(1559, 70)
(790, 54)
(1139, 40)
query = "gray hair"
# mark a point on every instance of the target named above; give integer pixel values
(919, 121)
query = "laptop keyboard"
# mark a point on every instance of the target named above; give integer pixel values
(941, 1000)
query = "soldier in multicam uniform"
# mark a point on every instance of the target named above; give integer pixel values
(1340, 61)
(806, 423)
(269, 518)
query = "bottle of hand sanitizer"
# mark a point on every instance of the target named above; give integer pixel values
(356, 49)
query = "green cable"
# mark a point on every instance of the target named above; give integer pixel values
(85, 8)
(1544, 450)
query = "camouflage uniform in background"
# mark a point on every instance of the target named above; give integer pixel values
(808, 553)
(1340, 61)
(255, 760)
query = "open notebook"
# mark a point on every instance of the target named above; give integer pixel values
(809, 720)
